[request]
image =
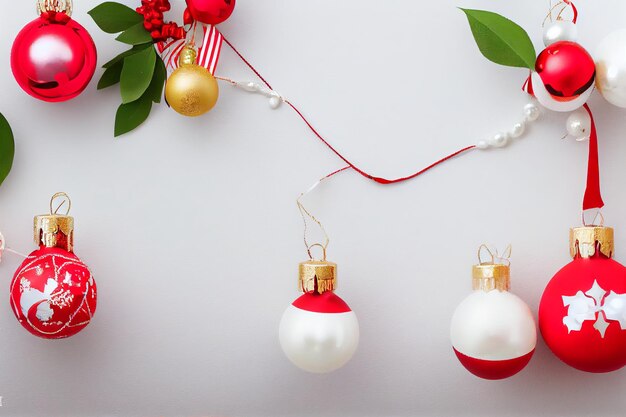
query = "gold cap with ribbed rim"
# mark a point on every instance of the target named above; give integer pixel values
(54, 231)
(491, 276)
(584, 241)
(317, 276)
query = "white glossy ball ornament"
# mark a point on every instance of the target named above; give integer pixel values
(610, 60)
(319, 333)
(559, 30)
(579, 124)
(546, 100)
(493, 332)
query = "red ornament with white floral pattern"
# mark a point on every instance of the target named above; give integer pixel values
(53, 293)
(582, 314)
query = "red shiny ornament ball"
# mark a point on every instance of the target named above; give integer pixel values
(211, 12)
(582, 314)
(53, 294)
(566, 70)
(53, 59)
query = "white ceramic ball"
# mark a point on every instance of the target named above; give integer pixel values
(494, 325)
(578, 124)
(560, 30)
(611, 67)
(546, 100)
(318, 342)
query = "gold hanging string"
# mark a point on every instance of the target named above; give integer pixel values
(66, 199)
(306, 214)
(494, 255)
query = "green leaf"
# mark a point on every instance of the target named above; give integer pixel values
(7, 148)
(135, 35)
(114, 17)
(111, 76)
(155, 90)
(137, 74)
(124, 54)
(501, 40)
(130, 115)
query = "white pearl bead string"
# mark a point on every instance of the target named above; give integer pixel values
(3, 248)
(501, 139)
(275, 99)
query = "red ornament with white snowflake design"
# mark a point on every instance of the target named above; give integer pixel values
(582, 314)
(53, 294)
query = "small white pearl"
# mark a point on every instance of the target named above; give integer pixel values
(579, 124)
(499, 140)
(561, 30)
(531, 112)
(517, 130)
(275, 102)
(482, 144)
(248, 86)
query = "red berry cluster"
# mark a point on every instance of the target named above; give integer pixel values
(152, 11)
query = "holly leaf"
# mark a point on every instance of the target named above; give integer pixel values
(137, 74)
(130, 115)
(124, 54)
(155, 90)
(7, 148)
(135, 35)
(500, 40)
(114, 17)
(111, 76)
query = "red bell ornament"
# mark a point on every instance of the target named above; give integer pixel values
(582, 314)
(564, 76)
(53, 293)
(53, 57)
(211, 12)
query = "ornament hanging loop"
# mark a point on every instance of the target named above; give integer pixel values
(319, 245)
(494, 255)
(598, 219)
(58, 6)
(65, 199)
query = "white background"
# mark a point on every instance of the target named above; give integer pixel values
(191, 228)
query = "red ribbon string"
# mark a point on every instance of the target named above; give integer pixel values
(574, 10)
(593, 197)
(379, 180)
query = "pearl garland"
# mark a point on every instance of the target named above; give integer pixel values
(501, 139)
(275, 99)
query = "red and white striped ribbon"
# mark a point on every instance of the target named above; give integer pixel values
(208, 49)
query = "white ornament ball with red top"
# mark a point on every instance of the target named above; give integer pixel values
(319, 333)
(493, 332)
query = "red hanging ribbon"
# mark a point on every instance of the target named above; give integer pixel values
(379, 180)
(593, 197)
(574, 10)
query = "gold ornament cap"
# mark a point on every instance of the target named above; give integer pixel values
(187, 56)
(491, 276)
(585, 241)
(55, 230)
(317, 276)
(58, 6)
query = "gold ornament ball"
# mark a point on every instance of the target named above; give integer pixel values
(191, 90)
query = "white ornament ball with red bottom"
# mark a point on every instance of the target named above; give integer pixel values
(493, 332)
(319, 333)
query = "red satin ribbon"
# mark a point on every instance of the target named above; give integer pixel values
(593, 197)
(574, 10)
